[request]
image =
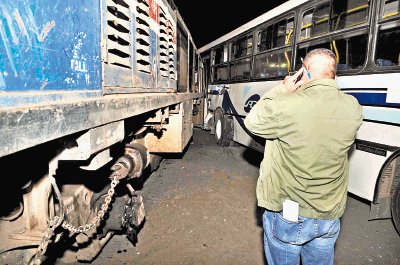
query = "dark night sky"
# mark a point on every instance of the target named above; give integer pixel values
(208, 20)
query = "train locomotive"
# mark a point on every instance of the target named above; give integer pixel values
(92, 95)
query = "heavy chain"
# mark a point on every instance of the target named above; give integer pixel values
(100, 214)
(53, 224)
(48, 235)
(121, 169)
(42, 248)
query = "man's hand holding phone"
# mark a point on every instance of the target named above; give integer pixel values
(292, 83)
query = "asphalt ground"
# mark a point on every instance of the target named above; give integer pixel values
(201, 209)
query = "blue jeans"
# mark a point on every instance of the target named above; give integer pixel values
(311, 239)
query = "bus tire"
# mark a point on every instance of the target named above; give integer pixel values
(220, 129)
(395, 207)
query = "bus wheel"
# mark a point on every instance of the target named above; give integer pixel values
(395, 205)
(220, 129)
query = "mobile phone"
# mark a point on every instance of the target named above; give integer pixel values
(308, 73)
(299, 78)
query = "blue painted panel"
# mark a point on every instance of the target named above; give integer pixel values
(49, 45)
(373, 99)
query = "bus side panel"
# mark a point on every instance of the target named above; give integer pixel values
(236, 100)
(243, 98)
(49, 47)
(379, 134)
(367, 158)
(364, 172)
(378, 94)
(241, 136)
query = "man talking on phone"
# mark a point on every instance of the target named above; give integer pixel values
(309, 125)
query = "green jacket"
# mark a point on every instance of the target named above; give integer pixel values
(309, 133)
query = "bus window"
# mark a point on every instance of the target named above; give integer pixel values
(206, 57)
(278, 35)
(391, 8)
(320, 20)
(289, 31)
(350, 52)
(306, 25)
(242, 47)
(220, 67)
(196, 85)
(388, 47)
(276, 63)
(240, 69)
(191, 68)
(315, 22)
(302, 52)
(270, 65)
(220, 73)
(240, 63)
(347, 14)
(220, 55)
(283, 32)
(265, 39)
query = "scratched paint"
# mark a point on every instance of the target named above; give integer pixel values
(21, 25)
(7, 48)
(49, 45)
(46, 29)
(10, 25)
(31, 22)
(2, 84)
(44, 84)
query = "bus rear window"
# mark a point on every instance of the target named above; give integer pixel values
(388, 47)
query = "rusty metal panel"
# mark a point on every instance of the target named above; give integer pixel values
(175, 135)
(187, 127)
(21, 128)
(198, 118)
(94, 140)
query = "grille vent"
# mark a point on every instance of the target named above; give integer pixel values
(164, 38)
(143, 36)
(171, 51)
(118, 33)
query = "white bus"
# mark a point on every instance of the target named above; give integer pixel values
(365, 36)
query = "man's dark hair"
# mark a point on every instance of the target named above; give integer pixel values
(330, 71)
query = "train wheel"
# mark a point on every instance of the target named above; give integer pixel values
(395, 205)
(220, 128)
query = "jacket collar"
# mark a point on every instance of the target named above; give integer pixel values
(322, 83)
